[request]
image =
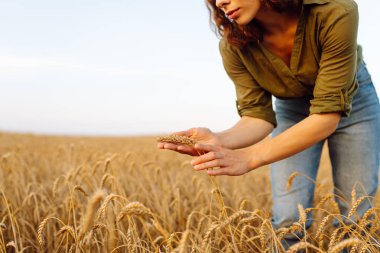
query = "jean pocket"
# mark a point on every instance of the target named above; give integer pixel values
(366, 92)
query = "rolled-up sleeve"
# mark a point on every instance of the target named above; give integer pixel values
(336, 81)
(252, 100)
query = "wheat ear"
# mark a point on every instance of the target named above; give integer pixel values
(134, 208)
(92, 207)
(103, 207)
(302, 245)
(177, 139)
(291, 179)
(344, 244)
(355, 206)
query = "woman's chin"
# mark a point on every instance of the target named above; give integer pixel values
(242, 21)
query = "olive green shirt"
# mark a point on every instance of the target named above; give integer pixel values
(322, 68)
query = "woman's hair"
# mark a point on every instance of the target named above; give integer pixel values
(241, 36)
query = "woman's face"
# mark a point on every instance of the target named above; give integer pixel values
(241, 11)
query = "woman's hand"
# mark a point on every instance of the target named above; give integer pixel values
(221, 161)
(203, 135)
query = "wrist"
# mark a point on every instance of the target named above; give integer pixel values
(221, 139)
(257, 158)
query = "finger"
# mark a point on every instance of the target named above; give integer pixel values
(177, 148)
(186, 149)
(205, 147)
(218, 172)
(208, 165)
(170, 146)
(206, 158)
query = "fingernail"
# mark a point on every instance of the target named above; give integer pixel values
(192, 162)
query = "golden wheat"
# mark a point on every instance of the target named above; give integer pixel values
(345, 244)
(302, 245)
(92, 207)
(67, 229)
(80, 189)
(302, 215)
(104, 205)
(183, 210)
(291, 179)
(134, 208)
(41, 227)
(177, 139)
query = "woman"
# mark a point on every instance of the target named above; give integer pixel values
(305, 54)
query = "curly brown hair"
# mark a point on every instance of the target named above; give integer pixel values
(242, 36)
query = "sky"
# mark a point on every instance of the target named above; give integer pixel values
(122, 67)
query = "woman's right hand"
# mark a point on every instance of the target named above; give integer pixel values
(199, 134)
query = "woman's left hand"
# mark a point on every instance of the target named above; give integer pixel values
(222, 161)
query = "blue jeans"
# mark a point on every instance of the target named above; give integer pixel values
(354, 152)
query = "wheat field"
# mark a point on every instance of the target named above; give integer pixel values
(82, 194)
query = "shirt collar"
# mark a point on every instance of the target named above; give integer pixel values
(315, 1)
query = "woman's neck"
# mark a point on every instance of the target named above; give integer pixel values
(273, 22)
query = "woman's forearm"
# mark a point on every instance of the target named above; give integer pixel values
(246, 132)
(301, 136)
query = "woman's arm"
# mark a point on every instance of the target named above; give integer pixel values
(246, 132)
(306, 133)
(301, 136)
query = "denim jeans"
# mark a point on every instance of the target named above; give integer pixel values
(354, 150)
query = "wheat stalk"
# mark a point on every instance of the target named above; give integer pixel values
(160, 229)
(333, 237)
(243, 232)
(326, 198)
(134, 208)
(364, 220)
(243, 204)
(282, 232)
(67, 229)
(104, 179)
(302, 245)
(353, 196)
(55, 186)
(104, 205)
(321, 225)
(354, 249)
(302, 215)
(182, 242)
(40, 230)
(208, 234)
(130, 244)
(364, 248)
(262, 233)
(252, 217)
(112, 230)
(168, 246)
(98, 226)
(291, 179)
(232, 218)
(92, 207)
(177, 139)
(344, 244)
(345, 231)
(355, 206)
(80, 189)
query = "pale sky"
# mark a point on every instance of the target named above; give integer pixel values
(122, 67)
